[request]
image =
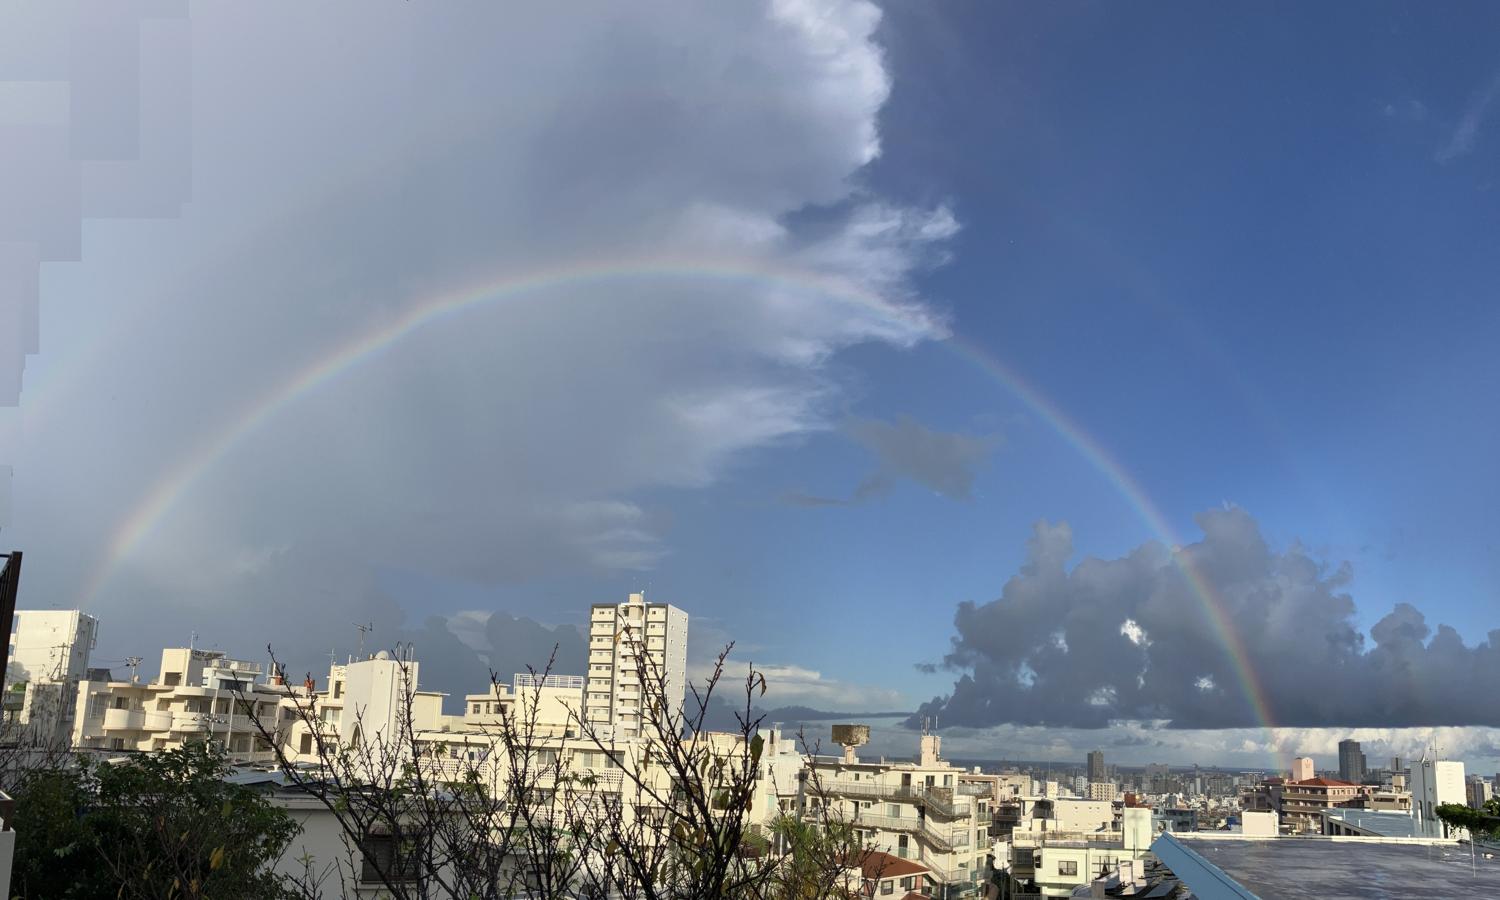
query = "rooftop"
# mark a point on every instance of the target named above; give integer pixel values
(1385, 823)
(877, 864)
(1320, 781)
(1327, 868)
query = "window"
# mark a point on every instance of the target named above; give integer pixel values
(906, 883)
(381, 854)
(1067, 867)
(306, 743)
(172, 679)
(338, 689)
(887, 887)
(476, 709)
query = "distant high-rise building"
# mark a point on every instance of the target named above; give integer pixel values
(1302, 768)
(1097, 771)
(626, 640)
(1351, 761)
(1478, 791)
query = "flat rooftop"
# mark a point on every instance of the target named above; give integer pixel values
(1386, 823)
(1328, 868)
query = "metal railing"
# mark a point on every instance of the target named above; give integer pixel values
(936, 798)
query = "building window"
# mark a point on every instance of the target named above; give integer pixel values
(1067, 867)
(906, 883)
(887, 887)
(307, 743)
(381, 854)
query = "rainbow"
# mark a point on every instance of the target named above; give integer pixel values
(900, 321)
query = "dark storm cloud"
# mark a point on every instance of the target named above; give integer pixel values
(1130, 638)
(519, 644)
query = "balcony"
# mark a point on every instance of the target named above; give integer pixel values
(944, 839)
(887, 823)
(124, 719)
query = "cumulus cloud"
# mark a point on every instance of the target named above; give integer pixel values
(798, 686)
(944, 462)
(1139, 643)
(1134, 743)
(679, 190)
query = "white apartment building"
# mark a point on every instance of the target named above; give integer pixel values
(544, 704)
(196, 697)
(49, 655)
(51, 645)
(1433, 783)
(1069, 842)
(928, 810)
(625, 639)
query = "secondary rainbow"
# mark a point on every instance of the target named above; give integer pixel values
(900, 318)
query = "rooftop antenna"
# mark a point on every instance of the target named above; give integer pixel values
(134, 663)
(363, 630)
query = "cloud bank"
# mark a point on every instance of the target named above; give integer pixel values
(1090, 644)
(713, 152)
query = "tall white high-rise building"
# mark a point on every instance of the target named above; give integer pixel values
(624, 639)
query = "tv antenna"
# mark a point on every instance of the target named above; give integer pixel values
(363, 630)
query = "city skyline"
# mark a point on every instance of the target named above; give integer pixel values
(1086, 378)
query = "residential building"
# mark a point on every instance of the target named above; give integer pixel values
(1303, 802)
(885, 875)
(1351, 762)
(1433, 783)
(627, 641)
(1097, 772)
(557, 701)
(198, 695)
(926, 810)
(49, 655)
(1478, 791)
(1067, 843)
(1102, 790)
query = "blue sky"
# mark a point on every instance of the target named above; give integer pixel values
(1252, 255)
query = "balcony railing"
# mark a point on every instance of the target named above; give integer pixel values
(938, 799)
(888, 823)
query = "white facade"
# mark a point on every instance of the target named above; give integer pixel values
(50, 645)
(1051, 856)
(624, 638)
(49, 656)
(198, 695)
(1433, 783)
(929, 811)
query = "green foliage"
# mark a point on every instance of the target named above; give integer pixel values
(164, 825)
(1482, 823)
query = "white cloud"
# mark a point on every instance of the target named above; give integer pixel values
(793, 685)
(437, 151)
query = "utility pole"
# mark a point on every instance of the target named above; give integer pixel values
(134, 663)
